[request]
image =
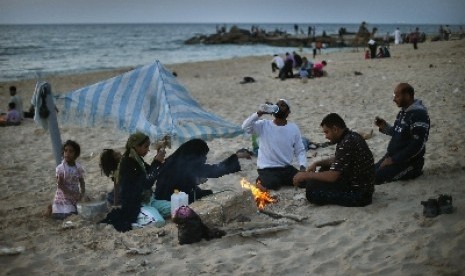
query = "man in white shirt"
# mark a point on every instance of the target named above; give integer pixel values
(277, 63)
(279, 142)
(397, 37)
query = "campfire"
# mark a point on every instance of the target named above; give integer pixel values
(261, 198)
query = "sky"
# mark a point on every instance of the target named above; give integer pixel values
(232, 11)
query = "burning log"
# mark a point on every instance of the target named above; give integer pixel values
(262, 198)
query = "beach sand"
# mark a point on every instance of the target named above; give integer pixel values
(389, 237)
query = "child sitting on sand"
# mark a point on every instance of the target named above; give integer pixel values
(70, 180)
(109, 161)
(12, 117)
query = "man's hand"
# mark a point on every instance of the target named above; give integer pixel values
(312, 167)
(300, 177)
(260, 113)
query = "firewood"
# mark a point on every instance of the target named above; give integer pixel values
(262, 231)
(281, 215)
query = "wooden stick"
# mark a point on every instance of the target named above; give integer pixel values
(330, 223)
(263, 231)
(281, 215)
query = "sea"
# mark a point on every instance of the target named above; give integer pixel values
(38, 51)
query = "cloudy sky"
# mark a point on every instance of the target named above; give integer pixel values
(232, 11)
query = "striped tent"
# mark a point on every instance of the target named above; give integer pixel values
(148, 99)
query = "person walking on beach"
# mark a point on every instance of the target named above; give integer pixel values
(415, 36)
(397, 37)
(406, 150)
(347, 179)
(279, 142)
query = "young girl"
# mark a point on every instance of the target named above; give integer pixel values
(109, 161)
(70, 180)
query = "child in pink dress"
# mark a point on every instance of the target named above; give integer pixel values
(70, 180)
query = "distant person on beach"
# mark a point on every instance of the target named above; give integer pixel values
(319, 45)
(397, 37)
(380, 53)
(347, 179)
(406, 150)
(71, 186)
(279, 142)
(306, 68)
(372, 45)
(367, 54)
(414, 37)
(447, 32)
(277, 63)
(318, 69)
(297, 60)
(287, 71)
(15, 98)
(12, 117)
(386, 40)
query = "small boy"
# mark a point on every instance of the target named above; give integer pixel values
(12, 116)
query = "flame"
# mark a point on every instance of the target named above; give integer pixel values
(261, 198)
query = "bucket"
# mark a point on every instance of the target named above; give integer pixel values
(91, 210)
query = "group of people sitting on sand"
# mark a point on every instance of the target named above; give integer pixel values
(15, 113)
(306, 69)
(346, 179)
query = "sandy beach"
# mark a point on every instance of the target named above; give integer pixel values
(389, 237)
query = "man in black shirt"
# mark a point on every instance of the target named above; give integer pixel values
(347, 179)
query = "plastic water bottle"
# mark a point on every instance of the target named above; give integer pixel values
(269, 108)
(178, 199)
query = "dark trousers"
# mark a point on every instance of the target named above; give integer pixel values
(322, 193)
(373, 50)
(274, 67)
(286, 71)
(396, 172)
(275, 178)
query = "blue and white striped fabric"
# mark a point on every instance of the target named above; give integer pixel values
(148, 99)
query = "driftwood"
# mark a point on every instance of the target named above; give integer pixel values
(10, 251)
(249, 229)
(330, 223)
(281, 215)
(262, 231)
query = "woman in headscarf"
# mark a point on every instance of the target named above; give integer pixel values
(136, 179)
(186, 168)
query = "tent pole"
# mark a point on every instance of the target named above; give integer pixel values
(53, 124)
